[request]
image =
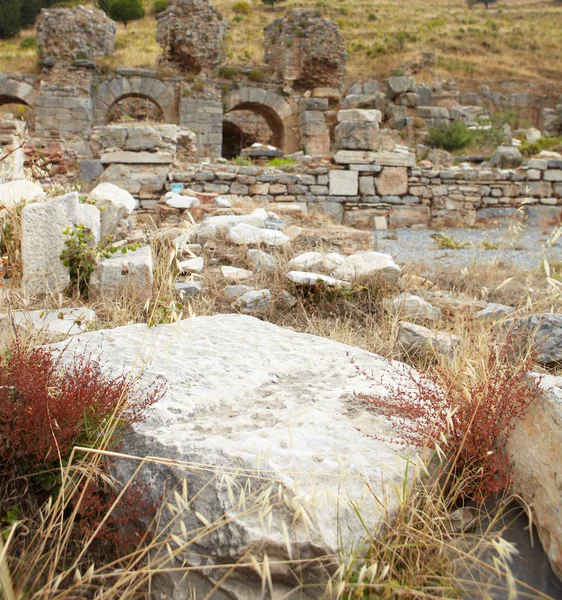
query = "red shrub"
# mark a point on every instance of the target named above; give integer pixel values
(473, 411)
(47, 404)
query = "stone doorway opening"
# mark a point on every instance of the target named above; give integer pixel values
(248, 123)
(135, 107)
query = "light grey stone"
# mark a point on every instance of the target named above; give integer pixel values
(243, 233)
(188, 289)
(344, 183)
(254, 303)
(545, 331)
(234, 291)
(309, 261)
(357, 114)
(369, 265)
(64, 321)
(213, 226)
(493, 311)
(306, 278)
(415, 339)
(285, 409)
(534, 448)
(506, 157)
(412, 308)
(137, 158)
(261, 261)
(182, 202)
(114, 204)
(21, 190)
(235, 273)
(129, 273)
(192, 265)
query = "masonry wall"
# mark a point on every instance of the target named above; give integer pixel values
(375, 196)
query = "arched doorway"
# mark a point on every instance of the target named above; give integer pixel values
(241, 129)
(135, 107)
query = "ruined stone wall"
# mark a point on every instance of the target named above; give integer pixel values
(191, 33)
(388, 190)
(11, 138)
(67, 35)
(306, 50)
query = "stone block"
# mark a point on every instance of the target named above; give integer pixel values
(367, 116)
(129, 273)
(334, 210)
(553, 175)
(43, 241)
(366, 186)
(114, 203)
(392, 181)
(355, 135)
(344, 183)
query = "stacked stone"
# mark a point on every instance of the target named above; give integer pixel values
(552, 120)
(11, 138)
(69, 35)
(315, 135)
(306, 50)
(191, 33)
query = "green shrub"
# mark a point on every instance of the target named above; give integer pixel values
(256, 75)
(27, 43)
(9, 18)
(545, 143)
(228, 72)
(272, 2)
(372, 17)
(241, 7)
(126, 10)
(159, 6)
(455, 136)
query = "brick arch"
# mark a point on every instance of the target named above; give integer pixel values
(13, 91)
(275, 109)
(112, 91)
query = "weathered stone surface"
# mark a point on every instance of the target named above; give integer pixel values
(493, 311)
(285, 408)
(406, 216)
(506, 157)
(392, 181)
(358, 115)
(234, 291)
(412, 308)
(64, 321)
(127, 274)
(546, 332)
(43, 241)
(235, 273)
(20, 190)
(415, 339)
(192, 265)
(114, 204)
(248, 234)
(309, 261)
(535, 448)
(306, 278)
(400, 85)
(137, 158)
(306, 50)
(181, 202)
(261, 261)
(191, 33)
(137, 179)
(213, 226)
(67, 34)
(357, 135)
(189, 289)
(368, 265)
(344, 183)
(254, 302)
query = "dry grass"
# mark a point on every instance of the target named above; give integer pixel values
(514, 41)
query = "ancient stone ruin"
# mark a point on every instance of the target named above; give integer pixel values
(306, 51)
(191, 33)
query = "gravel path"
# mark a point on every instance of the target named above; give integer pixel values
(409, 246)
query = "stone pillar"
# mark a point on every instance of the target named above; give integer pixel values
(315, 135)
(204, 118)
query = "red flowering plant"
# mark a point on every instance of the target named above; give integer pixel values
(50, 402)
(466, 413)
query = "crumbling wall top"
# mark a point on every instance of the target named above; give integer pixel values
(191, 33)
(306, 50)
(65, 35)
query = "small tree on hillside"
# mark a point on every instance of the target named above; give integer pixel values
(272, 2)
(105, 5)
(126, 10)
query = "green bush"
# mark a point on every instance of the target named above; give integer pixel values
(159, 6)
(241, 7)
(228, 72)
(256, 75)
(9, 18)
(27, 43)
(272, 2)
(546, 143)
(126, 10)
(455, 136)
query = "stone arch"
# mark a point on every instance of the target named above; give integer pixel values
(13, 91)
(112, 91)
(133, 95)
(275, 109)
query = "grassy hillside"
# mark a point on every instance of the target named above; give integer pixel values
(514, 40)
